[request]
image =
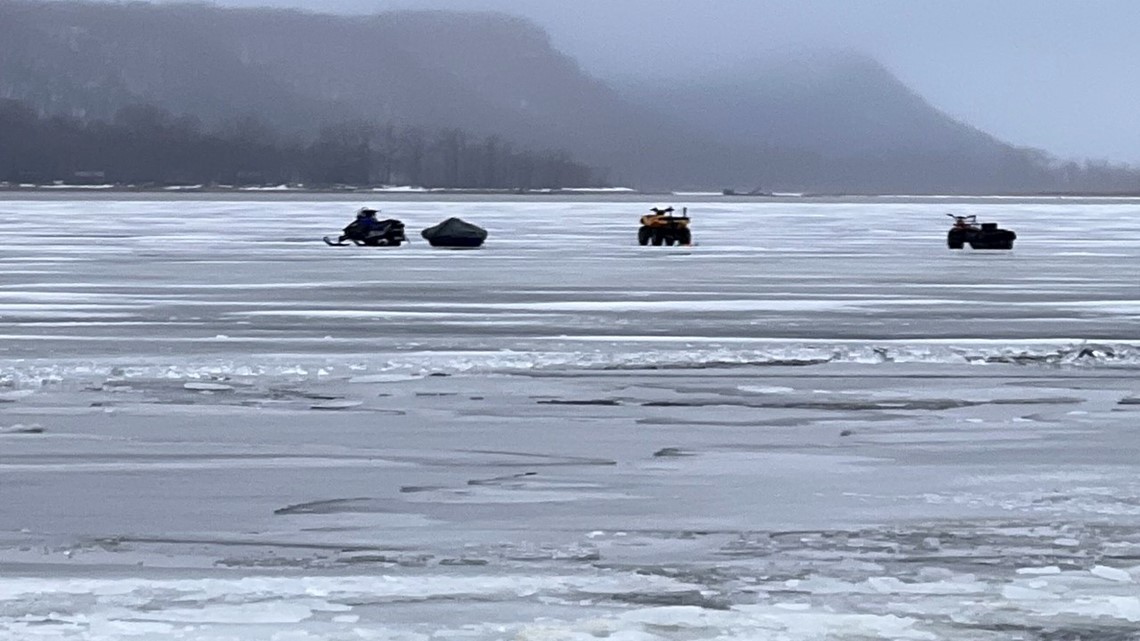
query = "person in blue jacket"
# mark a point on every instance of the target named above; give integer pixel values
(364, 223)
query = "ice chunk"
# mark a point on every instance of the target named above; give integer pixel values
(208, 387)
(765, 389)
(1019, 593)
(1048, 569)
(20, 428)
(1111, 574)
(343, 404)
(383, 378)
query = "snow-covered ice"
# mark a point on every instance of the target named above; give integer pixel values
(213, 426)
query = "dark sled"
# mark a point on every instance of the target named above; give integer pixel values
(455, 234)
(967, 231)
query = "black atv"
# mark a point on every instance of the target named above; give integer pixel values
(381, 233)
(966, 230)
(661, 226)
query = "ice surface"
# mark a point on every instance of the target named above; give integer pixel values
(213, 426)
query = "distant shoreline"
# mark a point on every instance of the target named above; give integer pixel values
(464, 196)
(7, 191)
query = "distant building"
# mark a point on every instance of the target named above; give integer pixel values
(89, 178)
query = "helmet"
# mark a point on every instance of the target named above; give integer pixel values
(365, 212)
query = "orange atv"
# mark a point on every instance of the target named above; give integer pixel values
(662, 227)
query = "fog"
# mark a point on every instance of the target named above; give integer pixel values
(1051, 74)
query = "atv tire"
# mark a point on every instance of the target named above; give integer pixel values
(657, 238)
(684, 237)
(643, 235)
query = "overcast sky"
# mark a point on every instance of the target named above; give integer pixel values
(1061, 75)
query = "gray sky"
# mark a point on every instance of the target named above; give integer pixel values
(1056, 74)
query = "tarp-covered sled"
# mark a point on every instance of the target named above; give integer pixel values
(454, 232)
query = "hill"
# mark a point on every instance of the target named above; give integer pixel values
(838, 119)
(832, 123)
(486, 74)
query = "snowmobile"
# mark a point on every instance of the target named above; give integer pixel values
(966, 230)
(378, 233)
(456, 234)
(662, 226)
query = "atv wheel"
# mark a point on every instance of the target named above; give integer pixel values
(669, 240)
(684, 237)
(657, 238)
(643, 235)
(955, 240)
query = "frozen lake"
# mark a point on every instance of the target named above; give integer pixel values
(816, 423)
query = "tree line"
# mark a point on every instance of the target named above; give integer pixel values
(146, 145)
